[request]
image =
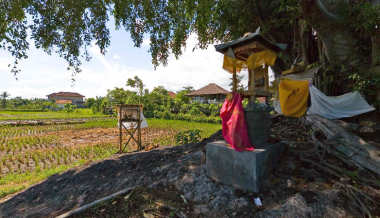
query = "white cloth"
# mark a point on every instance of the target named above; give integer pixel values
(277, 106)
(347, 105)
(130, 125)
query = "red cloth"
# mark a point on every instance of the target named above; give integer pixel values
(234, 127)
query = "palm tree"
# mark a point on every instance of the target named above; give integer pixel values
(4, 96)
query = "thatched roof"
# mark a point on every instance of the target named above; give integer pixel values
(210, 89)
(251, 37)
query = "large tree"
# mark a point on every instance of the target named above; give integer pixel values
(334, 32)
(4, 96)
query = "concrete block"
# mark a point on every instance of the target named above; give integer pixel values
(243, 170)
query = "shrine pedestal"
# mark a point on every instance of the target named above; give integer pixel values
(243, 170)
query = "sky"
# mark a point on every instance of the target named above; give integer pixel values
(42, 74)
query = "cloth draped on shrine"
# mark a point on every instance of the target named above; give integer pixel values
(234, 127)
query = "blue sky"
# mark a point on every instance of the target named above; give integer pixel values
(42, 74)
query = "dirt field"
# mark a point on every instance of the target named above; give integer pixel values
(31, 153)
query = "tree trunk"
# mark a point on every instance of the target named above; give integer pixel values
(339, 43)
(376, 49)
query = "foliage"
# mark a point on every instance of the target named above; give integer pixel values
(189, 136)
(69, 27)
(4, 96)
(365, 83)
(366, 17)
(137, 83)
(36, 104)
(69, 108)
(239, 80)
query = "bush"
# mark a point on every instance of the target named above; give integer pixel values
(69, 108)
(189, 136)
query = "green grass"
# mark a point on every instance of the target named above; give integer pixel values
(13, 183)
(207, 129)
(21, 115)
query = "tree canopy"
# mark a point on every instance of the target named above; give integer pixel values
(68, 27)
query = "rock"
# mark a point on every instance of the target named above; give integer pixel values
(366, 129)
(148, 215)
(243, 170)
(238, 203)
(201, 209)
(289, 183)
(367, 123)
(294, 206)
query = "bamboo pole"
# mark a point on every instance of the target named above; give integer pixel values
(266, 78)
(120, 131)
(251, 85)
(139, 129)
(234, 77)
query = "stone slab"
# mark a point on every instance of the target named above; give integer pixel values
(243, 170)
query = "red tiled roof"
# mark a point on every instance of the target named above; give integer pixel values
(63, 102)
(210, 89)
(66, 94)
(171, 94)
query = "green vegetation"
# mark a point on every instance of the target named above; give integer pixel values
(33, 115)
(189, 136)
(157, 103)
(29, 154)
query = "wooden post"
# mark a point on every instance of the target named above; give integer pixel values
(120, 132)
(139, 129)
(234, 77)
(251, 85)
(266, 78)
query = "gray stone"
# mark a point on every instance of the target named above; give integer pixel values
(201, 209)
(258, 124)
(243, 170)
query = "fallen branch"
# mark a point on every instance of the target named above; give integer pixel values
(354, 149)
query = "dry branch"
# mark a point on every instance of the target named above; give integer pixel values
(345, 145)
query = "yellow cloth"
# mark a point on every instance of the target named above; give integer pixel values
(293, 97)
(228, 64)
(258, 59)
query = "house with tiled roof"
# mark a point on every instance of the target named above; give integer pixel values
(172, 94)
(62, 98)
(210, 94)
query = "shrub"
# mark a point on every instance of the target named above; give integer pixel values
(189, 136)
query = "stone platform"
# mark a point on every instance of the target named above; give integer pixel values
(243, 170)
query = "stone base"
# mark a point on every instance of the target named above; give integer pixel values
(243, 170)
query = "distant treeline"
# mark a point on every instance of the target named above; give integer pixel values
(157, 103)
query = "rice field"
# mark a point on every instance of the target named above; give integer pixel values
(29, 154)
(32, 115)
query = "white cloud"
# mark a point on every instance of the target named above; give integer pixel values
(44, 74)
(116, 57)
(146, 42)
(4, 62)
(196, 69)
